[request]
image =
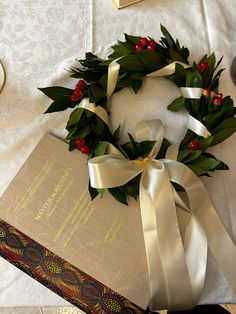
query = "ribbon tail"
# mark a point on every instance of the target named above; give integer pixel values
(163, 242)
(219, 241)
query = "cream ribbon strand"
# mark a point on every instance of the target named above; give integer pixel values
(171, 259)
(168, 263)
(187, 92)
(2, 77)
(197, 127)
(167, 70)
(98, 110)
(191, 92)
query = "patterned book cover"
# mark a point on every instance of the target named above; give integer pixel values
(60, 276)
(90, 253)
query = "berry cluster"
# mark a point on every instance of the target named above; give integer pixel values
(203, 66)
(146, 43)
(78, 92)
(80, 144)
(217, 99)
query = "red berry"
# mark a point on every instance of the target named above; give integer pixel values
(194, 145)
(85, 149)
(206, 92)
(79, 142)
(81, 84)
(217, 100)
(152, 42)
(144, 41)
(74, 97)
(79, 93)
(203, 66)
(219, 95)
(139, 47)
(151, 48)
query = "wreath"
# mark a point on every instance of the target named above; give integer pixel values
(138, 57)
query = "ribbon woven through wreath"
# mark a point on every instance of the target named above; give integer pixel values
(176, 264)
(187, 92)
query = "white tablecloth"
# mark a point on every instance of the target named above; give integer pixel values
(40, 39)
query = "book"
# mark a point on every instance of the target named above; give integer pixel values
(123, 3)
(89, 252)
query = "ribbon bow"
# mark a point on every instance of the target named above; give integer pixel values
(176, 261)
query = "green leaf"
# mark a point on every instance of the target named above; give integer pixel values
(132, 39)
(205, 143)
(121, 50)
(151, 60)
(103, 81)
(74, 117)
(119, 195)
(224, 112)
(197, 170)
(80, 133)
(136, 85)
(129, 149)
(211, 60)
(177, 104)
(206, 163)
(101, 148)
(59, 106)
(183, 154)
(192, 156)
(162, 151)
(57, 93)
(145, 147)
(228, 123)
(179, 77)
(97, 91)
(174, 55)
(223, 131)
(193, 79)
(168, 37)
(98, 126)
(131, 63)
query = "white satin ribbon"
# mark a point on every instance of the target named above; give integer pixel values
(98, 110)
(165, 249)
(113, 73)
(187, 92)
(2, 77)
(167, 70)
(176, 264)
(197, 127)
(191, 92)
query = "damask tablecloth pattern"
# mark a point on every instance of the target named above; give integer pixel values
(40, 40)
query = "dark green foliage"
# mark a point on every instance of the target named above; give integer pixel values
(219, 120)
